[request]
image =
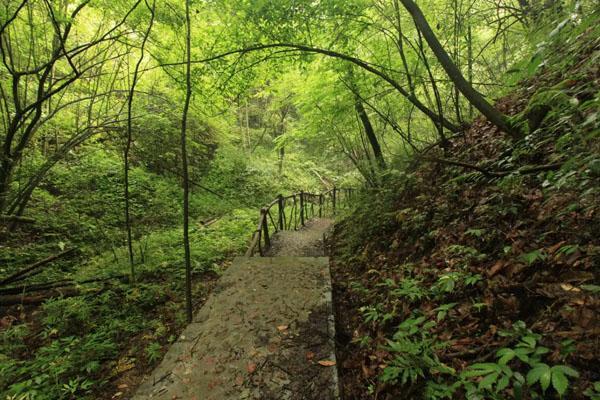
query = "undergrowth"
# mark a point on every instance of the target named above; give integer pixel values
(73, 347)
(453, 283)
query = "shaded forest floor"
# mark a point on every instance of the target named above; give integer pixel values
(101, 350)
(453, 283)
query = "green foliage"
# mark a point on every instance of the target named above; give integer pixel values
(61, 369)
(451, 281)
(154, 352)
(544, 374)
(414, 353)
(409, 289)
(533, 256)
(82, 335)
(258, 129)
(593, 392)
(443, 310)
(498, 376)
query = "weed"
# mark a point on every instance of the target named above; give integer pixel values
(414, 350)
(154, 352)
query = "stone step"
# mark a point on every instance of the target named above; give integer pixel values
(266, 332)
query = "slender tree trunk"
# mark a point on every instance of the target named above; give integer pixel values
(247, 125)
(493, 115)
(400, 46)
(470, 61)
(281, 158)
(436, 93)
(369, 131)
(129, 140)
(457, 29)
(6, 168)
(184, 162)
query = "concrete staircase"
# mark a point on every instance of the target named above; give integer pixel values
(266, 332)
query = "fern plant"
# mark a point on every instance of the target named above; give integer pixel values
(414, 349)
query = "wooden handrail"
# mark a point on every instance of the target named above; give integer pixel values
(300, 200)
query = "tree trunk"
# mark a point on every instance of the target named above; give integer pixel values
(436, 93)
(369, 131)
(400, 46)
(15, 299)
(184, 162)
(6, 168)
(28, 271)
(470, 61)
(281, 158)
(493, 115)
(128, 143)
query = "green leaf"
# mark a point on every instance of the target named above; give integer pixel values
(503, 383)
(545, 379)
(559, 382)
(529, 340)
(566, 370)
(480, 369)
(536, 373)
(533, 256)
(518, 391)
(505, 356)
(522, 354)
(591, 288)
(541, 350)
(488, 381)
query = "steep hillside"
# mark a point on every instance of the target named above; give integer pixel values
(474, 274)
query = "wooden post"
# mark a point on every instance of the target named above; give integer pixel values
(302, 207)
(334, 199)
(260, 250)
(295, 210)
(280, 202)
(265, 223)
(320, 205)
(347, 198)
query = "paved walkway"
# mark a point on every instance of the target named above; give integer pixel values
(266, 332)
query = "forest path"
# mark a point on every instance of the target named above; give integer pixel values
(266, 332)
(305, 242)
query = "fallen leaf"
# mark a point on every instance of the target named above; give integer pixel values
(282, 328)
(552, 249)
(272, 347)
(123, 386)
(251, 367)
(239, 380)
(496, 268)
(569, 288)
(124, 364)
(326, 363)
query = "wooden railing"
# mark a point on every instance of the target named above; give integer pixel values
(292, 212)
